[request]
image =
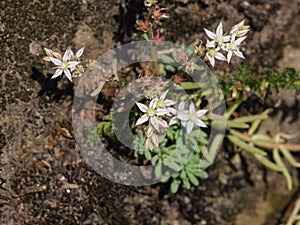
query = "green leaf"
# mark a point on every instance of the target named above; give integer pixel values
(189, 85)
(167, 59)
(186, 183)
(170, 68)
(148, 155)
(289, 157)
(193, 179)
(174, 186)
(98, 89)
(247, 147)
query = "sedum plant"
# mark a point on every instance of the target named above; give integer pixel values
(173, 130)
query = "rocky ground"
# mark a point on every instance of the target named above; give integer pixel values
(44, 180)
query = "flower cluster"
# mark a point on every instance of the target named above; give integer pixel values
(159, 108)
(69, 63)
(219, 42)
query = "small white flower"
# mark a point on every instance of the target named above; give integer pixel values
(163, 104)
(180, 110)
(218, 38)
(213, 53)
(152, 114)
(75, 57)
(233, 47)
(63, 66)
(190, 119)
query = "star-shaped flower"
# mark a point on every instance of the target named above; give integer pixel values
(192, 118)
(233, 47)
(213, 53)
(177, 112)
(64, 65)
(218, 38)
(152, 114)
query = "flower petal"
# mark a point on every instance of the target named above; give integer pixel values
(220, 56)
(57, 62)
(161, 112)
(72, 64)
(229, 55)
(189, 126)
(210, 34)
(68, 74)
(67, 55)
(201, 112)
(162, 123)
(239, 54)
(173, 121)
(238, 41)
(153, 103)
(79, 52)
(192, 108)
(142, 107)
(57, 73)
(200, 123)
(169, 102)
(219, 31)
(172, 111)
(183, 116)
(143, 119)
(164, 94)
(154, 123)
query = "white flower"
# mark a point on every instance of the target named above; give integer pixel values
(190, 119)
(180, 110)
(218, 38)
(233, 47)
(152, 114)
(75, 57)
(213, 53)
(162, 103)
(63, 66)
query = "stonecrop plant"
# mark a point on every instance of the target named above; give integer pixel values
(173, 129)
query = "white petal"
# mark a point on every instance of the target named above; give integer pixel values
(142, 120)
(183, 116)
(210, 44)
(210, 34)
(199, 123)
(161, 112)
(164, 94)
(181, 105)
(226, 38)
(239, 40)
(192, 108)
(57, 62)
(219, 31)
(79, 52)
(72, 64)
(220, 56)
(57, 73)
(162, 123)
(142, 107)
(189, 126)
(172, 111)
(149, 131)
(154, 123)
(68, 74)
(155, 140)
(169, 102)
(201, 112)
(211, 60)
(229, 55)
(239, 54)
(67, 55)
(153, 103)
(173, 121)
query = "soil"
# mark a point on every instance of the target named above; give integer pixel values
(43, 178)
